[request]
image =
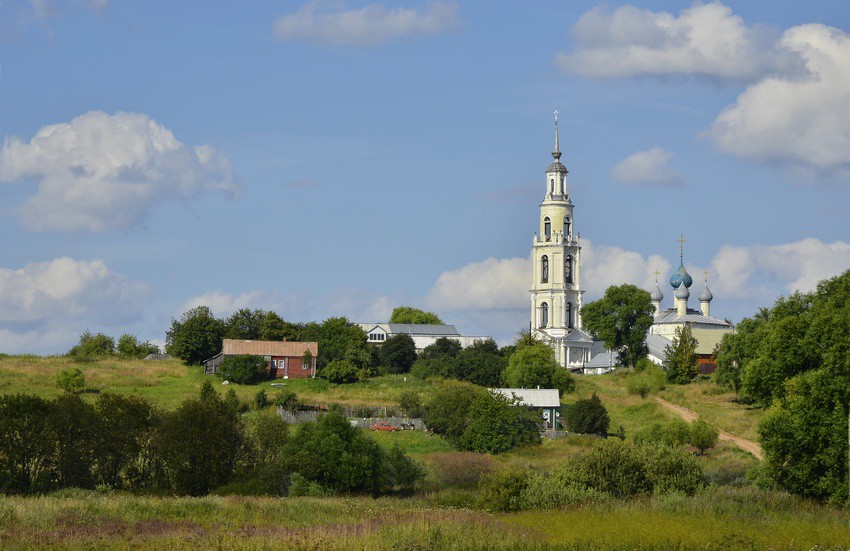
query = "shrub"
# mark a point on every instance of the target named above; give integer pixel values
(563, 381)
(638, 385)
(410, 403)
(496, 424)
(399, 353)
(503, 490)
(445, 412)
(286, 400)
(243, 369)
(642, 364)
(702, 436)
(341, 372)
(614, 467)
(673, 433)
(93, 346)
(406, 473)
(673, 469)
(261, 399)
(556, 490)
(71, 380)
(588, 417)
(270, 434)
(129, 347)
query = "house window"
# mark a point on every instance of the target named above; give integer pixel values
(547, 228)
(544, 315)
(568, 269)
(569, 314)
(544, 268)
(566, 226)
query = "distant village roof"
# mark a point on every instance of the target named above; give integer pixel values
(157, 356)
(414, 329)
(534, 397)
(233, 347)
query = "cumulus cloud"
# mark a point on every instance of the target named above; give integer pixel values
(648, 167)
(105, 172)
(802, 121)
(368, 26)
(44, 303)
(704, 40)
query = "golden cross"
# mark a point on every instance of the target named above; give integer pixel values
(681, 241)
(705, 274)
(656, 272)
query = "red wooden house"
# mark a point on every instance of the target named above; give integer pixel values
(284, 359)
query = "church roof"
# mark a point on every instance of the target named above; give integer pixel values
(413, 329)
(534, 397)
(692, 316)
(657, 345)
(557, 166)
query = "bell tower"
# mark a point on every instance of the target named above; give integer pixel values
(556, 270)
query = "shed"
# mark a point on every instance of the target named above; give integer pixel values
(547, 400)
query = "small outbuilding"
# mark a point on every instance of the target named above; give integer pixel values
(547, 400)
(284, 359)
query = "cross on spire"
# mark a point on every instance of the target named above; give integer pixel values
(557, 152)
(681, 241)
(705, 275)
(656, 272)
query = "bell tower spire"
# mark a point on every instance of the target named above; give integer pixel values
(556, 153)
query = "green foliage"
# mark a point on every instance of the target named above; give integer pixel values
(407, 314)
(534, 365)
(503, 490)
(270, 434)
(340, 458)
(588, 417)
(676, 432)
(130, 347)
(406, 473)
(243, 369)
(196, 337)
(738, 349)
(681, 357)
(286, 400)
(244, 324)
(410, 403)
(338, 339)
(273, 328)
(399, 353)
(27, 436)
(651, 378)
(261, 399)
(208, 392)
(446, 410)
(75, 426)
(125, 428)
(621, 319)
(342, 371)
(480, 363)
(702, 436)
(496, 424)
(199, 445)
(71, 380)
(93, 346)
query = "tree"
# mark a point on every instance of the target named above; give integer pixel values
(196, 337)
(93, 346)
(71, 380)
(130, 347)
(446, 410)
(407, 314)
(702, 436)
(286, 400)
(481, 364)
(270, 434)
(588, 417)
(75, 425)
(124, 424)
(200, 444)
(273, 328)
(534, 365)
(437, 359)
(681, 357)
(243, 369)
(245, 324)
(399, 351)
(621, 319)
(338, 339)
(27, 436)
(341, 372)
(496, 424)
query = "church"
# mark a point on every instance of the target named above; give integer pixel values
(556, 293)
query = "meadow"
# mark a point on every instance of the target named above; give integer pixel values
(729, 514)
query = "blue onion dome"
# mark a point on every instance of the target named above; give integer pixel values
(705, 295)
(682, 293)
(656, 295)
(681, 276)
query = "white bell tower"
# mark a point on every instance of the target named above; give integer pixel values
(556, 271)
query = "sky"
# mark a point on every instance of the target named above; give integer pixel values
(341, 158)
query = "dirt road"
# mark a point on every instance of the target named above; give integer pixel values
(688, 415)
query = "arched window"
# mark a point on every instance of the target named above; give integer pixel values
(563, 185)
(544, 315)
(544, 269)
(566, 227)
(547, 228)
(568, 269)
(569, 314)
(552, 186)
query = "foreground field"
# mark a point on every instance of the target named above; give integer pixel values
(717, 519)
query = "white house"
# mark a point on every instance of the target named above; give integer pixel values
(423, 334)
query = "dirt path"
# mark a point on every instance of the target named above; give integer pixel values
(688, 415)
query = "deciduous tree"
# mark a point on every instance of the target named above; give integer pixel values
(407, 314)
(196, 336)
(621, 319)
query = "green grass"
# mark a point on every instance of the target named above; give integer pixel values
(413, 442)
(718, 406)
(725, 518)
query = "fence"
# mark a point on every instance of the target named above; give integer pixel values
(295, 417)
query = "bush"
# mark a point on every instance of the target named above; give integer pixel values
(93, 346)
(399, 353)
(286, 400)
(71, 380)
(243, 369)
(614, 467)
(411, 403)
(702, 436)
(673, 469)
(496, 424)
(261, 399)
(673, 433)
(503, 490)
(588, 417)
(130, 347)
(445, 412)
(341, 372)
(557, 490)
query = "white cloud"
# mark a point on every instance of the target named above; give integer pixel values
(796, 121)
(603, 266)
(367, 26)
(648, 167)
(104, 172)
(487, 285)
(763, 272)
(705, 40)
(44, 304)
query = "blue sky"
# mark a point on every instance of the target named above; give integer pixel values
(343, 158)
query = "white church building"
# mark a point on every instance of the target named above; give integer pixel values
(556, 292)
